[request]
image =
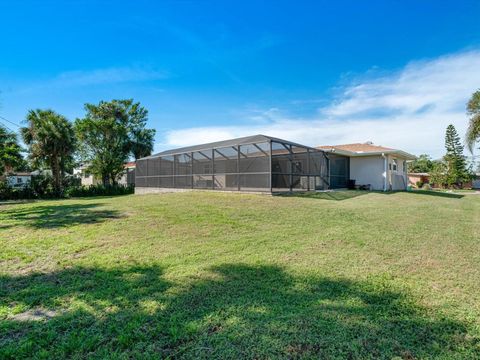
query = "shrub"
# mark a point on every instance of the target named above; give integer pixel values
(426, 187)
(419, 184)
(8, 192)
(99, 190)
(41, 187)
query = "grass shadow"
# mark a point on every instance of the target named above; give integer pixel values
(327, 195)
(436, 193)
(234, 311)
(56, 215)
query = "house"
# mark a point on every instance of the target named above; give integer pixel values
(87, 179)
(476, 181)
(128, 176)
(19, 179)
(418, 178)
(262, 163)
(380, 167)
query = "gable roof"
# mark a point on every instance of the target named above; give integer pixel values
(254, 139)
(364, 149)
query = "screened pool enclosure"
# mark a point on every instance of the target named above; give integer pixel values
(256, 163)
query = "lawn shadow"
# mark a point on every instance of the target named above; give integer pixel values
(56, 215)
(234, 311)
(436, 193)
(339, 195)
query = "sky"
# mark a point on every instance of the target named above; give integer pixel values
(315, 72)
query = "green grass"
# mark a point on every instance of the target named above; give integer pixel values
(344, 275)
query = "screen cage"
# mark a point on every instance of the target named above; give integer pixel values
(258, 163)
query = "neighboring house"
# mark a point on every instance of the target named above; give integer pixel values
(476, 181)
(380, 167)
(19, 179)
(88, 179)
(128, 177)
(85, 176)
(415, 178)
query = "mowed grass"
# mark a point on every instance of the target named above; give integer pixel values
(347, 275)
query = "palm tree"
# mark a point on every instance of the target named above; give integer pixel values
(473, 109)
(51, 141)
(141, 142)
(10, 151)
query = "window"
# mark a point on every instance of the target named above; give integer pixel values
(19, 180)
(394, 165)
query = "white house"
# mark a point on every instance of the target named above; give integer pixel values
(19, 179)
(380, 167)
(127, 178)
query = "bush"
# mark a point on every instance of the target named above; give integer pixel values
(8, 192)
(99, 190)
(41, 187)
(426, 187)
(419, 184)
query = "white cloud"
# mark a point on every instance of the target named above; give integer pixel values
(408, 109)
(108, 76)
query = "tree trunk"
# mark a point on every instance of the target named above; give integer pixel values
(57, 184)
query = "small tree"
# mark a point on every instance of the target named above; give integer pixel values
(457, 172)
(10, 151)
(438, 174)
(423, 164)
(109, 133)
(51, 141)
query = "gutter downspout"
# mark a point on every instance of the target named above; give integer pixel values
(385, 172)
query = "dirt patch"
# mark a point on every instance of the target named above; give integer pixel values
(35, 315)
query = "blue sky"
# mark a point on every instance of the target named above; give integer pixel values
(393, 72)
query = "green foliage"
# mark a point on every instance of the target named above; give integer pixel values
(43, 187)
(141, 142)
(438, 174)
(51, 142)
(426, 187)
(10, 151)
(456, 172)
(423, 164)
(99, 190)
(109, 133)
(419, 184)
(473, 110)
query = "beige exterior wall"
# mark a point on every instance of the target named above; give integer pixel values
(368, 170)
(397, 178)
(371, 170)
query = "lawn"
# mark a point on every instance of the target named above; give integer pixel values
(196, 275)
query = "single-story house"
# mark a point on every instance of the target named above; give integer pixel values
(476, 181)
(19, 179)
(416, 178)
(127, 178)
(262, 163)
(378, 167)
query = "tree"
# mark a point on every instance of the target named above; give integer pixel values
(51, 142)
(473, 109)
(110, 133)
(142, 142)
(438, 174)
(10, 151)
(423, 164)
(457, 172)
